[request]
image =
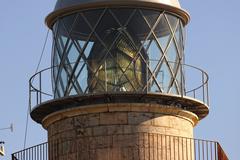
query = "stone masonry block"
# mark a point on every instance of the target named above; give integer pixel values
(113, 118)
(140, 107)
(161, 120)
(93, 119)
(100, 130)
(115, 129)
(136, 118)
(121, 107)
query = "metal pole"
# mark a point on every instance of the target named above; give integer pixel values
(11, 128)
(182, 91)
(40, 86)
(203, 87)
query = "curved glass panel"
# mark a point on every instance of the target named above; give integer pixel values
(118, 50)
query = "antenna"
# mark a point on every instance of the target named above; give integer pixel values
(10, 128)
(2, 151)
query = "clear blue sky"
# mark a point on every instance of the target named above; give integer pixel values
(212, 44)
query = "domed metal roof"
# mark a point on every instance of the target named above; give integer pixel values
(68, 3)
(64, 7)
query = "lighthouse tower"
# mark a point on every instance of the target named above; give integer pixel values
(120, 88)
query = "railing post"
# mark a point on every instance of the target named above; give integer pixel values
(208, 103)
(203, 86)
(216, 157)
(203, 153)
(182, 90)
(211, 151)
(195, 149)
(37, 96)
(106, 85)
(30, 96)
(40, 87)
(147, 78)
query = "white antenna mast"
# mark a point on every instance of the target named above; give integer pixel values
(2, 151)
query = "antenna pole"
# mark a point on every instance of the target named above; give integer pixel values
(11, 128)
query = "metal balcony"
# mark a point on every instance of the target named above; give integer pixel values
(168, 147)
(193, 85)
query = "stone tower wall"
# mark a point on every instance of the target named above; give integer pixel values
(120, 132)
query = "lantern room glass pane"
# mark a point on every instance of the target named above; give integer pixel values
(117, 50)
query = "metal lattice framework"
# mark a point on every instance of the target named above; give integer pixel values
(118, 50)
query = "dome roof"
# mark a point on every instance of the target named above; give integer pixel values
(69, 3)
(64, 7)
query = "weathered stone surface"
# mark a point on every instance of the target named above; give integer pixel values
(135, 118)
(100, 130)
(124, 133)
(119, 107)
(93, 119)
(113, 118)
(115, 129)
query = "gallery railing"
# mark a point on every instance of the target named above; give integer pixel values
(192, 83)
(162, 147)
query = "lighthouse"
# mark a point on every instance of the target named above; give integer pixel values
(120, 85)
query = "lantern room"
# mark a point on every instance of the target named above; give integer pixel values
(114, 47)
